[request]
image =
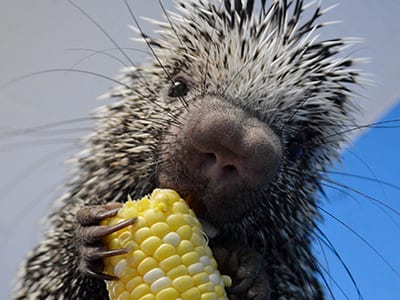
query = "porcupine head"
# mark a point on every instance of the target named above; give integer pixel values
(240, 110)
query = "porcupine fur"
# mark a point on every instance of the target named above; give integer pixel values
(269, 63)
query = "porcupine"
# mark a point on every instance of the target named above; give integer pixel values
(236, 111)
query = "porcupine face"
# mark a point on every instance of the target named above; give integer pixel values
(248, 108)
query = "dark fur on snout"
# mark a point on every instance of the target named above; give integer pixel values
(218, 156)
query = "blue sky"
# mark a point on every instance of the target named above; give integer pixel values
(376, 155)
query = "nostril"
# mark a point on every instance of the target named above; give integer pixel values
(210, 158)
(229, 170)
(216, 169)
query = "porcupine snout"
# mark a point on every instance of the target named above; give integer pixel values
(220, 150)
(231, 148)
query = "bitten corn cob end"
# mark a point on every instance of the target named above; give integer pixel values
(169, 257)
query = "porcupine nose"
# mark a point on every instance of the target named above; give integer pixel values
(231, 148)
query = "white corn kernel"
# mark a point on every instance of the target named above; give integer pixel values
(153, 275)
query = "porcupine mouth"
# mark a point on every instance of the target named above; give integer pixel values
(214, 205)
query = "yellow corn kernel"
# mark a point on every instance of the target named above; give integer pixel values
(164, 251)
(178, 271)
(169, 257)
(183, 283)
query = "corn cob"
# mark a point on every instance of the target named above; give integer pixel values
(169, 257)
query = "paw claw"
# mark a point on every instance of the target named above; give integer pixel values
(100, 254)
(108, 214)
(89, 235)
(92, 215)
(93, 234)
(241, 287)
(100, 275)
(120, 225)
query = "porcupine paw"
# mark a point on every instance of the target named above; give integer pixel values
(247, 270)
(89, 235)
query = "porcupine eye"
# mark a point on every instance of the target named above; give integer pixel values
(179, 88)
(295, 146)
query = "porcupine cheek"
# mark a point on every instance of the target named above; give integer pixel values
(221, 152)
